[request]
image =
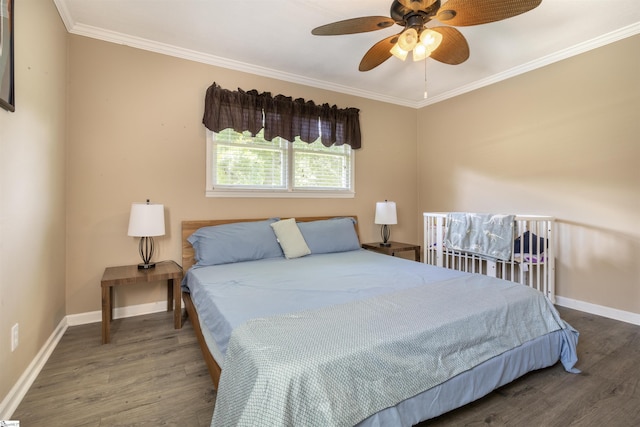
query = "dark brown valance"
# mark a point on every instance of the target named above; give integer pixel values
(280, 116)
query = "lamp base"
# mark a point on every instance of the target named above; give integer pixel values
(145, 247)
(144, 266)
(385, 234)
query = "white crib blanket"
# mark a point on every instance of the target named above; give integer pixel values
(488, 235)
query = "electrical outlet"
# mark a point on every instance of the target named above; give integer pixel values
(14, 337)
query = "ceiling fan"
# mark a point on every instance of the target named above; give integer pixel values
(444, 44)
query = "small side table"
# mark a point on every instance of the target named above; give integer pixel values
(393, 248)
(129, 275)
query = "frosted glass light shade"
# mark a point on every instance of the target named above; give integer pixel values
(430, 39)
(398, 52)
(146, 220)
(408, 39)
(420, 52)
(406, 42)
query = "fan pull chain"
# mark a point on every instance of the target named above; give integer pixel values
(425, 78)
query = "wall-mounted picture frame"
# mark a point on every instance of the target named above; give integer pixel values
(7, 86)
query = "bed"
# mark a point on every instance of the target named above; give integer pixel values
(326, 333)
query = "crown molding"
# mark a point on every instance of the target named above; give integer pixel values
(191, 55)
(595, 43)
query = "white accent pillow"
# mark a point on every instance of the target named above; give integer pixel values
(290, 238)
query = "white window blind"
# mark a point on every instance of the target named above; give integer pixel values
(241, 165)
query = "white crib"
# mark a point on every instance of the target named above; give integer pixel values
(533, 254)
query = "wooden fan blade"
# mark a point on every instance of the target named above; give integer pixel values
(378, 53)
(353, 26)
(416, 5)
(469, 12)
(453, 49)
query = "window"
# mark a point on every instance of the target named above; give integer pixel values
(241, 165)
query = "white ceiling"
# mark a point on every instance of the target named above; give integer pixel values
(273, 38)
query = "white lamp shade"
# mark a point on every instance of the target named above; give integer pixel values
(146, 220)
(386, 213)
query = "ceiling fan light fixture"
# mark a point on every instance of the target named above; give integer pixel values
(398, 52)
(408, 39)
(420, 52)
(414, 15)
(430, 39)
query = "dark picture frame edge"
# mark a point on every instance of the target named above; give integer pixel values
(7, 31)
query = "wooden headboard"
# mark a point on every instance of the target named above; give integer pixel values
(189, 227)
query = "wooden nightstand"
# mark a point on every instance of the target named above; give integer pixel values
(393, 248)
(129, 275)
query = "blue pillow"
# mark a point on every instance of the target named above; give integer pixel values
(236, 242)
(330, 235)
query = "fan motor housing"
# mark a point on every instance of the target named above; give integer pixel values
(402, 15)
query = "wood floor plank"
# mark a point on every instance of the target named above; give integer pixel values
(153, 375)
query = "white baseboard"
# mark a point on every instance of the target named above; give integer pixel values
(118, 313)
(21, 387)
(19, 390)
(600, 310)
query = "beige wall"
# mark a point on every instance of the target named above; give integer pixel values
(126, 126)
(561, 141)
(32, 190)
(136, 132)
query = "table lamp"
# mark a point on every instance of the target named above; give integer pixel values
(386, 215)
(146, 221)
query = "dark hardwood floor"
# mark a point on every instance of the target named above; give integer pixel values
(151, 374)
(606, 393)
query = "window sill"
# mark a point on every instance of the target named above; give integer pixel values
(282, 194)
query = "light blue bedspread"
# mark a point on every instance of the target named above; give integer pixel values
(237, 292)
(399, 328)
